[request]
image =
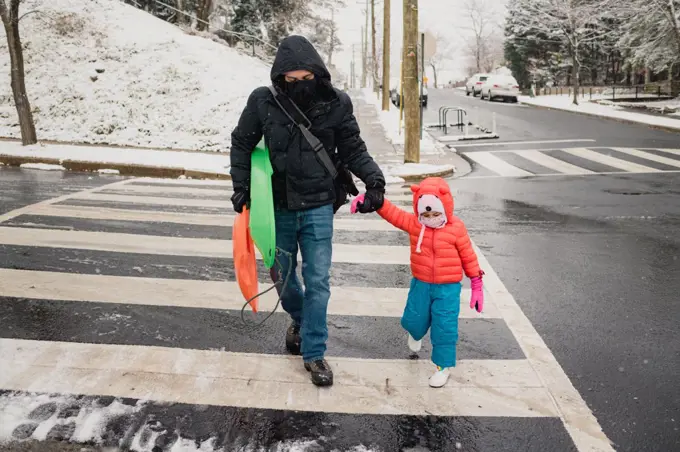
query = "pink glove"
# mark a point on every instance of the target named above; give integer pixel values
(477, 298)
(357, 200)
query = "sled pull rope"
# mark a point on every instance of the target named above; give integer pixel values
(279, 252)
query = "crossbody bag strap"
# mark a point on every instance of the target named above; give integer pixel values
(313, 141)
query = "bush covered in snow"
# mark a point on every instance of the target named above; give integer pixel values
(100, 71)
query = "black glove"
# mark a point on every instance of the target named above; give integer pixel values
(239, 199)
(373, 200)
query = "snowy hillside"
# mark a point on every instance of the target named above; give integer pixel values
(99, 71)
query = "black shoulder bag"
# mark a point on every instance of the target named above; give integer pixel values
(342, 178)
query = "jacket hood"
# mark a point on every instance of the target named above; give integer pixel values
(297, 53)
(435, 186)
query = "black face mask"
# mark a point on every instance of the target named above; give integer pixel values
(301, 92)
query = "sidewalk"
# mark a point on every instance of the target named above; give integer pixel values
(388, 150)
(214, 165)
(670, 123)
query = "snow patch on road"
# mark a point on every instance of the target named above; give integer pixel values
(42, 167)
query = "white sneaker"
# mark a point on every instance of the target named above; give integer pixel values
(414, 345)
(439, 378)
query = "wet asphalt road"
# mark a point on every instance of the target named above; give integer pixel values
(592, 261)
(519, 123)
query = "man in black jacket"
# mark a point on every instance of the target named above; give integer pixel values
(304, 190)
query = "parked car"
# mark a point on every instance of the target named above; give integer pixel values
(504, 86)
(474, 84)
(395, 96)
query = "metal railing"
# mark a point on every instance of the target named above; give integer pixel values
(613, 92)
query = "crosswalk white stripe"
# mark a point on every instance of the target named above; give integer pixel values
(497, 165)
(670, 151)
(552, 163)
(609, 160)
(476, 388)
(197, 182)
(155, 200)
(649, 156)
(359, 223)
(174, 246)
(401, 194)
(349, 301)
(184, 202)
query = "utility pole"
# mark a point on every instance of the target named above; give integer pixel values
(363, 57)
(374, 60)
(411, 92)
(352, 70)
(386, 57)
(366, 46)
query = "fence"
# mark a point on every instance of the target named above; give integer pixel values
(254, 44)
(617, 92)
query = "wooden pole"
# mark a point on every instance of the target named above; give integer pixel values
(411, 92)
(374, 60)
(363, 58)
(386, 56)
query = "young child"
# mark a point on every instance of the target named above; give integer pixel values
(440, 252)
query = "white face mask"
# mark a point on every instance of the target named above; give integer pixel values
(433, 222)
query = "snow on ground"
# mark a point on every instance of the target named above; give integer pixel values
(42, 166)
(101, 71)
(670, 107)
(390, 122)
(195, 161)
(565, 103)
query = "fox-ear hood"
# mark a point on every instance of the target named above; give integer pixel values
(435, 186)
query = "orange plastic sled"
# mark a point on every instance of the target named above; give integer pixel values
(245, 263)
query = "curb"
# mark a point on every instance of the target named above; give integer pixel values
(421, 177)
(621, 120)
(123, 168)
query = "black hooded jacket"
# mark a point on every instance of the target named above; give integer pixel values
(300, 180)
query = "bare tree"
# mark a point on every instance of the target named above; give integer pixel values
(10, 19)
(483, 19)
(574, 23)
(438, 58)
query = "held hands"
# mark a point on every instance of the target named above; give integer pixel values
(477, 298)
(369, 202)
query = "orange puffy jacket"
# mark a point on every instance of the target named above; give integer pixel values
(444, 253)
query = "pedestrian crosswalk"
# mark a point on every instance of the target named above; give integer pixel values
(121, 326)
(574, 162)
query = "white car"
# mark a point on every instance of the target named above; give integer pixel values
(474, 84)
(504, 86)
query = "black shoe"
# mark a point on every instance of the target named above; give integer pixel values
(322, 375)
(293, 339)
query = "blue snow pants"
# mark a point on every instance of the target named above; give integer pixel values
(436, 306)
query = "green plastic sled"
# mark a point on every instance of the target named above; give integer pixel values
(262, 223)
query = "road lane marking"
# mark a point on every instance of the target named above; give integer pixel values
(610, 161)
(605, 173)
(649, 156)
(176, 246)
(552, 163)
(497, 165)
(28, 209)
(358, 223)
(578, 419)
(511, 143)
(58, 286)
(507, 388)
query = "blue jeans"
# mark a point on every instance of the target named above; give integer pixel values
(312, 231)
(437, 306)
